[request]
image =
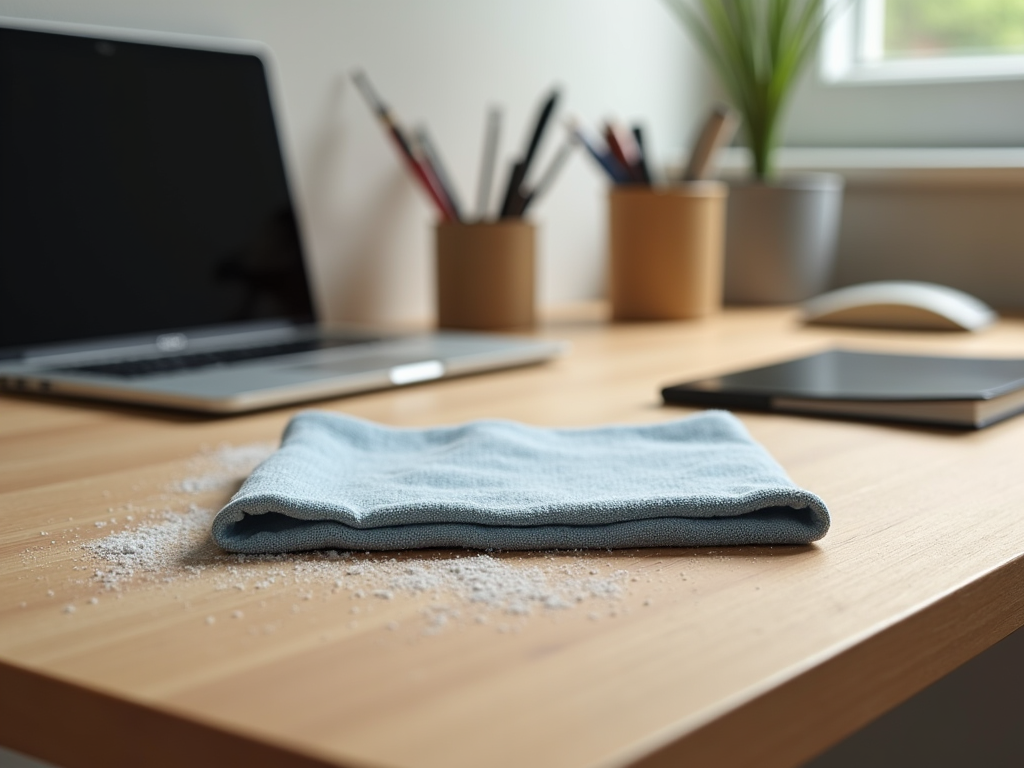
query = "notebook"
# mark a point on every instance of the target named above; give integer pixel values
(150, 246)
(952, 391)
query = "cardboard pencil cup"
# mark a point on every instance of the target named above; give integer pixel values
(485, 275)
(666, 250)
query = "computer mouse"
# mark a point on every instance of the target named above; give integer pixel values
(900, 304)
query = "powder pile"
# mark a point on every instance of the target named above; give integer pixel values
(175, 546)
(222, 467)
(151, 550)
(179, 546)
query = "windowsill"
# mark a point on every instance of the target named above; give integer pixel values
(964, 69)
(981, 166)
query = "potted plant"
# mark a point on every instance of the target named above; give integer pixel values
(781, 232)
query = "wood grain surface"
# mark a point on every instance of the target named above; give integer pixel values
(724, 656)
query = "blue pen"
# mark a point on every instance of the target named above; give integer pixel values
(606, 159)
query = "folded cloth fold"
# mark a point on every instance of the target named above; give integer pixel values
(343, 483)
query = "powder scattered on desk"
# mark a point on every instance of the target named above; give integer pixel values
(152, 549)
(218, 468)
(172, 546)
(178, 547)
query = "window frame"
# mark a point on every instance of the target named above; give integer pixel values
(852, 49)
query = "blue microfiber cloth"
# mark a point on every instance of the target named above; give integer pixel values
(343, 483)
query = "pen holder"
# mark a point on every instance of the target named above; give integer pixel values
(666, 250)
(485, 275)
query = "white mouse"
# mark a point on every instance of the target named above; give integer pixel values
(900, 304)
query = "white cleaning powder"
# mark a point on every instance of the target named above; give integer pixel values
(178, 546)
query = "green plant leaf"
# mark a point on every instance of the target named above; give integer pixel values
(758, 49)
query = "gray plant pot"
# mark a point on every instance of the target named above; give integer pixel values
(781, 237)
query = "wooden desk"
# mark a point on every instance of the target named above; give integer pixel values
(726, 657)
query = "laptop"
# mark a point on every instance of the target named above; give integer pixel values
(150, 248)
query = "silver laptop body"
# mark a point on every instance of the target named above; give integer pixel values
(149, 244)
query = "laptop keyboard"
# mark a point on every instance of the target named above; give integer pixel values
(154, 365)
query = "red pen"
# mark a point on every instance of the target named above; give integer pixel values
(404, 149)
(432, 177)
(623, 147)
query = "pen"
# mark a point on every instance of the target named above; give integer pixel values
(538, 131)
(431, 179)
(432, 162)
(515, 179)
(642, 164)
(513, 192)
(492, 133)
(717, 130)
(604, 158)
(404, 149)
(623, 147)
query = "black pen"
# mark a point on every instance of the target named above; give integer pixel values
(515, 179)
(642, 166)
(542, 122)
(513, 193)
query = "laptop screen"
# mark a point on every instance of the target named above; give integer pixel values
(142, 190)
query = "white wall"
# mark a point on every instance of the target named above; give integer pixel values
(443, 62)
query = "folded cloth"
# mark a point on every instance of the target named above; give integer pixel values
(343, 483)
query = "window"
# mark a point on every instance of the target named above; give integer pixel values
(924, 40)
(915, 73)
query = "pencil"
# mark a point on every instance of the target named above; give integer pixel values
(718, 129)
